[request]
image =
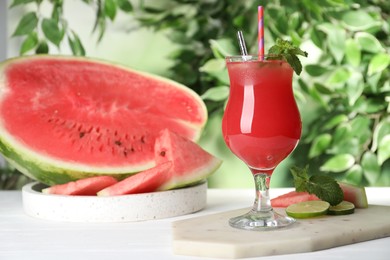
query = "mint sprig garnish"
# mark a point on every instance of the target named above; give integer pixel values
(324, 187)
(286, 50)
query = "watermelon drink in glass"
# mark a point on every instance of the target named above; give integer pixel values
(261, 126)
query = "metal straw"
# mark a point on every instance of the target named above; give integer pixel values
(241, 43)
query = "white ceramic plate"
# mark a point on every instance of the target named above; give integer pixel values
(125, 208)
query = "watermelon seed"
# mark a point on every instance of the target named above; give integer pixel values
(81, 134)
(143, 139)
(118, 143)
(90, 129)
(162, 153)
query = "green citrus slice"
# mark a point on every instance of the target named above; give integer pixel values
(343, 208)
(308, 209)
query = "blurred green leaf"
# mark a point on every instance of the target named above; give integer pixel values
(125, 5)
(353, 52)
(29, 43)
(336, 38)
(42, 48)
(384, 149)
(355, 87)
(381, 129)
(223, 47)
(322, 89)
(76, 44)
(378, 63)
(342, 132)
(339, 76)
(368, 42)
(335, 121)
(319, 145)
(26, 25)
(354, 175)
(20, 2)
(216, 93)
(358, 20)
(338, 163)
(110, 9)
(213, 65)
(370, 166)
(316, 70)
(52, 31)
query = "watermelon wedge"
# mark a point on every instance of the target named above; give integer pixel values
(190, 163)
(147, 181)
(293, 197)
(354, 194)
(88, 186)
(67, 118)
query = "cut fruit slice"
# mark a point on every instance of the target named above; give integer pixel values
(343, 208)
(292, 197)
(308, 209)
(146, 181)
(88, 186)
(190, 162)
(354, 194)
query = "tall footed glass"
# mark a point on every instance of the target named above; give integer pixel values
(261, 126)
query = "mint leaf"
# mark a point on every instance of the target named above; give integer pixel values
(325, 188)
(286, 50)
(300, 178)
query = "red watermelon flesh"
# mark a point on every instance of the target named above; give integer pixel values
(66, 118)
(292, 197)
(146, 181)
(190, 163)
(88, 186)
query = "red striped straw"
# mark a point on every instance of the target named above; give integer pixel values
(260, 19)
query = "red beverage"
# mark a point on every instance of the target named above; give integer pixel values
(261, 123)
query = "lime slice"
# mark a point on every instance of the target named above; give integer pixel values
(343, 208)
(308, 209)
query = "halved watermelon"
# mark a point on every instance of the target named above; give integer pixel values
(67, 118)
(292, 197)
(147, 181)
(88, 186)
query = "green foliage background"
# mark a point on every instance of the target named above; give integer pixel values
(343, 92)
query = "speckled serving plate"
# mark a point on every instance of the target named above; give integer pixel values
(125, 208)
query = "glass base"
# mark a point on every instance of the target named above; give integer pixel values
(258, 220)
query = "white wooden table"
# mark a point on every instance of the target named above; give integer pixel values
(25, 237)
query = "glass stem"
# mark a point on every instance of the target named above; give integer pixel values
(262, 202)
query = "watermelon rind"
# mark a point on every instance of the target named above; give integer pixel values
(51, 170)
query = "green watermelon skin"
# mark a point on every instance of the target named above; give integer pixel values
(53, 165)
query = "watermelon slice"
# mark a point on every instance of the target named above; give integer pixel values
(354, 194)
(190, 163)
(293, 197)
(146, 181)
(67, 118)
(87, 186)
